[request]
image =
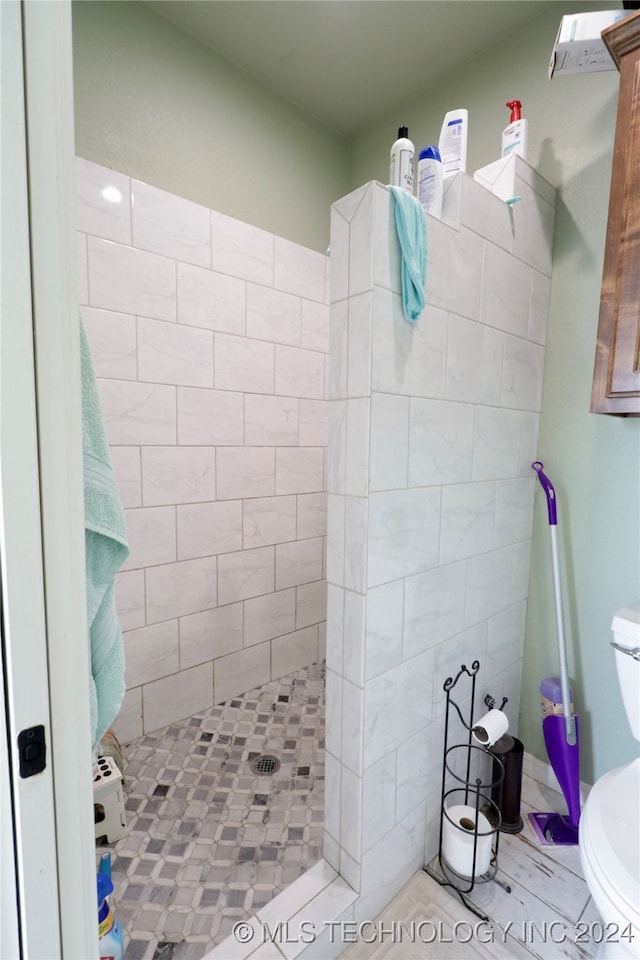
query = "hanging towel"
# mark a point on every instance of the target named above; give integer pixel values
(106, 549)
(411, 225)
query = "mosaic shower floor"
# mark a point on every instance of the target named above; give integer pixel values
(210, 840)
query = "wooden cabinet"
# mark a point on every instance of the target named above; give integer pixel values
(616, 376)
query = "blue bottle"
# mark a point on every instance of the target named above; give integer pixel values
(109, 929)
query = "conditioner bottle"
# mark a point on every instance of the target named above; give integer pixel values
(402, 160)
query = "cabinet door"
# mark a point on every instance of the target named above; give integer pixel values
(616, 386)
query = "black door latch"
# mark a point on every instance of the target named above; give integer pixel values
(32, 750)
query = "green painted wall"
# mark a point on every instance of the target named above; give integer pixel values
(593, 460)
(157, 104)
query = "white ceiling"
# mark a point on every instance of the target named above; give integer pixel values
(349, 63)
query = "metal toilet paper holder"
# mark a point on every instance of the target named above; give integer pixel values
(473, 777)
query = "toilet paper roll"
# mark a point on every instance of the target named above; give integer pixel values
(458, 838)
(490, 728)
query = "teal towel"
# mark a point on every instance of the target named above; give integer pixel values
(411, 225)
(106, 549)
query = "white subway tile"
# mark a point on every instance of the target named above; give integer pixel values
(488, 583)
(522, 375)
(514, 511)
(241, 250)
(129, 592)
(384, 628)
(127, 474)
(112, 341)
(245, 365)
(178, 589)
(103, 203)
(208, 528)
(212, 300)
(505, 638)
(360, 246)
(299, 373)
(339, 353)
(356, 538)
(268, 520)
(314, 326)
(299, 470)
(378, 801)
(128, 724)
(151, 532)
(464, 648)
(169, 225)
(389, 442)
(533, 226)
(273, 315)
(351, 801)
(311, 603)
(314, 423)
(298, 562)
(496, 442)
(506, 285)
(474, 362)
(210, 417)
(242, 671)
(397, 704)
(131, 281)
(403, 533)
(245, 472)
(151, 652)
(355, 607)
(434, 607)
(210, 634)
(440, 442)
(269, 616)
(339, 256)
(333, 718)
(359, 345)
(539, 307)
(337, 446)
(299, 270)
(177, 475)
(172, 353)
(407, 358)
(484, 213)
(528, 443)
(294, 651)
(357, 450)
(467, 520)
(458, 254)
(352, 726)
(520, 563)
(137, 413)
(83, 269)
(335, 627)
(177, 697)
(248, 573)
(387, 255)
(270, 421)
(418, 769)
(312, 515)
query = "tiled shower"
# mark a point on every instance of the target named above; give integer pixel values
(214, 377)
(210, 340)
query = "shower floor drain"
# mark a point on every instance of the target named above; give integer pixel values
(264, 764)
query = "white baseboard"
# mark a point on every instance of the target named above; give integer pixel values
(543, 772)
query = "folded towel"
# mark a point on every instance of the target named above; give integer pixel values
(411, 225)
(106, 549)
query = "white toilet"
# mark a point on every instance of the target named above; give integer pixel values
(609, 834)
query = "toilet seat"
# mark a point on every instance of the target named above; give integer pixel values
(610, 840)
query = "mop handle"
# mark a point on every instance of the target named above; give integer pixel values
(548, 488)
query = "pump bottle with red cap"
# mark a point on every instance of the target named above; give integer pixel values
(514, 137)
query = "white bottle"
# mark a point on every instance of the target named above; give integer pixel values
(401, 163)
(453, 142)
(430, 181)
(514, 137)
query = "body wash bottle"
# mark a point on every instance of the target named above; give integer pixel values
(514, 137)
(401, 162)
(453, 142)
(430, 181)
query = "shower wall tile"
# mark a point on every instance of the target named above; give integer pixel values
(177, 696)
(210, 634)
(151, 652)
(522, 375)
(359, 345)
(383, 637)
(174, 353)
(361, 231)
(539, 307)
(128, 280)
(169, 225)
(241, 250)
(404, 530)
(177, 589)
(112, 340)
(496, 443)
(459, 255)
(212, 300)
(474, 362)
(102, 202)
(209, 339)
(506, 287)
(137, 413)
(177, 475)
(389, 447)
(514, 511)
(407, 359)
(440, 442)
(434, 607)
(151, 533)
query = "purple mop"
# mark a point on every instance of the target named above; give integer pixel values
(560, 724)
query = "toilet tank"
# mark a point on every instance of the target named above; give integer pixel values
(626, 634)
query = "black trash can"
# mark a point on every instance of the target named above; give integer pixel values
(511, 752)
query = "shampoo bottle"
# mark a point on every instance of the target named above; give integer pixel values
(402, 160)
(514, 137)
(430, 181)
(453, 142)
(110, 936)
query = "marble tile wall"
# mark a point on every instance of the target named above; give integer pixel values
(210, 340)
(432, 430)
